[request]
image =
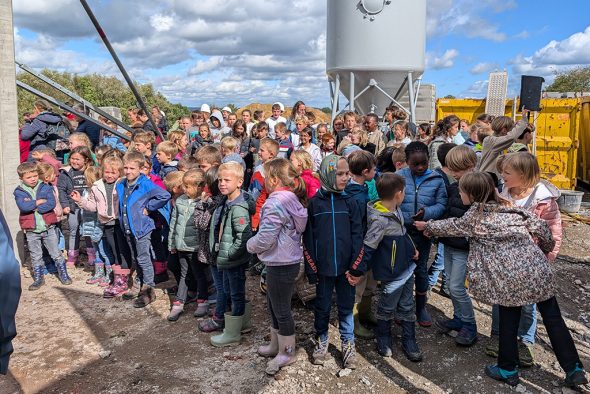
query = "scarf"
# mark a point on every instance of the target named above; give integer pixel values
(328, 173)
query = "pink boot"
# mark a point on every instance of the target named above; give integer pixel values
(119, 286)
(72, 258)
(91, 253)
(160, 271)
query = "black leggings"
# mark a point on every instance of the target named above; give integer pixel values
(559, 335)
(280, 283)
(191, 268)
(116, 241)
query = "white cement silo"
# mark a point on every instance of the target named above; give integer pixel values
(375, 51)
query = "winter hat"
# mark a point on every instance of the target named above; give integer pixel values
(205, 108)
(227, 109)
(328, 173)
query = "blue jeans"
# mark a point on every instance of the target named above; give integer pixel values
(438, 266)
(141, 256)
(47, 239)
(423, 245)
(456, 266)
(234, 285)
(344, 301)
(221, 303)
(397, 300)
(527, 327)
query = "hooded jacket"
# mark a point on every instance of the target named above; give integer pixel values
(504, 265)
(388, 247)
(36, 131)
(183, 232)
(430, 194)
(493, 145)
(171, 166)
(145, 194)
(543, 203)
(96, 201)
(455, 209)
(312, 184)
(30, 212)
(360, 194)
(235, 229)
(283, 221)
(222, 131)
(333, 239)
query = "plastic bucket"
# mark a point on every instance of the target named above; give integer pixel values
(570, 201)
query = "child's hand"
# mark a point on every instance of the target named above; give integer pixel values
(66, 210)
(352, 280)
(172, 251)
(36, 155)
(75, 195)
(41, 201)
(416, 255)
(419, 215)
(145, 212)
(420, 225)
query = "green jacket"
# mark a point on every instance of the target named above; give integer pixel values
(183, 233)
(235, 228)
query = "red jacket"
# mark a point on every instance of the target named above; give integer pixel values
(312, 184)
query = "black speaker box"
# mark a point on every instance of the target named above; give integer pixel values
(530, 93)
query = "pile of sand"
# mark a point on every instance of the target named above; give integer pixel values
(321, 117)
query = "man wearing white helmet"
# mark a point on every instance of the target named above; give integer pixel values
(225, 111)
(277, 111)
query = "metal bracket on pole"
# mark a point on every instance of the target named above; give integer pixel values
(411, 97)
(107, 43)
(336, 97)
(351, 97)
(66, 107)
(74, 96)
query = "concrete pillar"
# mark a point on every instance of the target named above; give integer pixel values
(9, 148)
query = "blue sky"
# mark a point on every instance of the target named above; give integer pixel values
(242, 51)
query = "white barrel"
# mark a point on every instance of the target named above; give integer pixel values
(376, 39)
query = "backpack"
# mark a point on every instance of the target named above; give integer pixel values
(57, 136)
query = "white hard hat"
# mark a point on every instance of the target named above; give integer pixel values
(228, 109)
(205, 108)
(280, 105)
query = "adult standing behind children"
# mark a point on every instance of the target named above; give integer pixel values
(276, 117)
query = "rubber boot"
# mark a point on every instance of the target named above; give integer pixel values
(176, 311)
(91, 253)
(444, 325)
(160, 271)
(246, 323)
(409, 344)
(119, 286)
(366, 315)
(231, 333)
(107, 280)
(271, 349)
(359, 330)
(72, 258)
(62, 273)
(38, 278)
(383, 334)
(285, 356)
(467, 335)
(146, 296)
(422, 315)
(98, 274)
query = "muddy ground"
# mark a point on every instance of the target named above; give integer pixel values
(73, 341)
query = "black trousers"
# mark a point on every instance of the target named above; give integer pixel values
(280, 283)
(116, 241)
(559, 335)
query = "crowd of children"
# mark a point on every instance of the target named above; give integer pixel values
(355, 204)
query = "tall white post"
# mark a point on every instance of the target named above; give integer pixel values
(9, 148)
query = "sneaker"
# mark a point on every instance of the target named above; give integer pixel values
(211, 325)
(202, 308)
(493, 347)
(443, 292)
(445, 326)
(575, 377)
(467, 336)
(176, 311)
(320, 352)
(348, 355)
(526, 357)
(509, 377)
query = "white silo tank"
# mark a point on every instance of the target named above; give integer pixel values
(380, 45)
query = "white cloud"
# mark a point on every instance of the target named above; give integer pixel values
(446, 60)
(204, 66)
(523, 35)
(478, 89)
(481, 68)
(162, 22)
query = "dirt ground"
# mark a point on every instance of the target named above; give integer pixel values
(73, 341)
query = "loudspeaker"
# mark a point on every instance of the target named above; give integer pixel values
(530, 93)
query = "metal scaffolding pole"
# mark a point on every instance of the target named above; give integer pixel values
(107, 43)
(74, 96)
(37, 93)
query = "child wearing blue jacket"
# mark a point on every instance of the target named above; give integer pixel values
(426, 199)
(138, 196)
(333, 245)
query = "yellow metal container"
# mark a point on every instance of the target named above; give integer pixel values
(558, 126)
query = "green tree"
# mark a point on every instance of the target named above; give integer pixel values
(575, 80)
(449, 96)
(326, 110)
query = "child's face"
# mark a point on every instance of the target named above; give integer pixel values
(355, 138)
(204, 132)
(296, 164)
(454, 130)
(349, 122)
(183, 142)
(30, 178)
(511, 177)
(300, 126)
(77, 161)
(330, 145)
(276, 112)
(140, 147)
(399, 132)
(246, 117)
(305, 138)
(321, 132)
(145, 170)
(199, 120)
(418, 163)
(178, 190)
(239, 130)
(110, 174)
(191, 190)
(231, 119)
(228, 182)
(225, 151)
(131, 170)
(215, 122)
(204, 166)
(280, 134)
(342, 174)
(185, 124)
(459, 174)
(264, 154)
(74, 143)
(162, 157)
(262, 133)
(49, 177)
(369, 174)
